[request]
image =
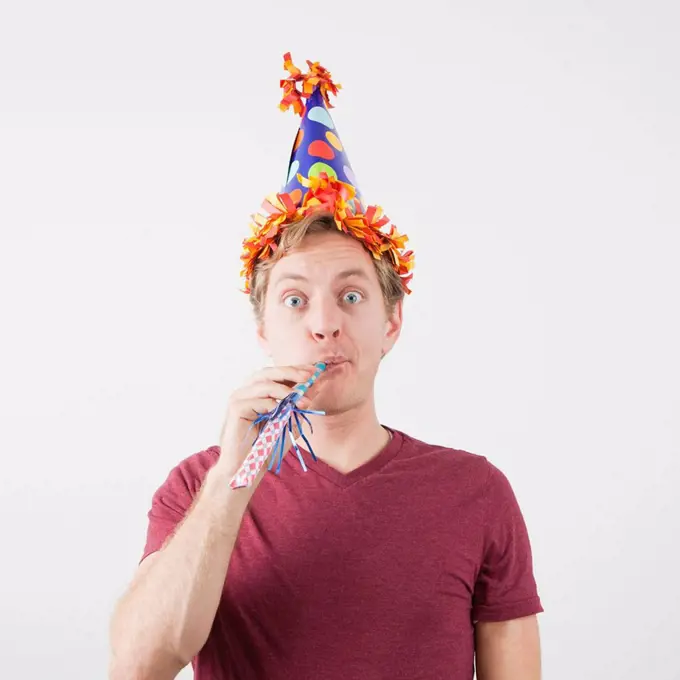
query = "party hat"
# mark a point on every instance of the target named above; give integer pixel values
(317, 149)
(320, 177)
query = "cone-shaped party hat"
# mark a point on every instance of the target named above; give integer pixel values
(320, 177)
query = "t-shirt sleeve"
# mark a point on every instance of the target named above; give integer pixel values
(173, 499)
(505, 587)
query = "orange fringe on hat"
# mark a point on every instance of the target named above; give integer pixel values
(317, 75)
(326, 194)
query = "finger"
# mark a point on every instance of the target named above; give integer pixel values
(286, 374)
(251, 409)
(259, 390)
(304, 402)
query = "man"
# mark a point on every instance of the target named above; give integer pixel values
(388, 557)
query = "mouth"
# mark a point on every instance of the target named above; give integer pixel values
(334, 362)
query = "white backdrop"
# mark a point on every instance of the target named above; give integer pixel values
(532, 152)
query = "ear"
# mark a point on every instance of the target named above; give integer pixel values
(262, 339)
(393, 325)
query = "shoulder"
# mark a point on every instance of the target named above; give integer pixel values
(173, 498)
(187, 476)
(449, 459)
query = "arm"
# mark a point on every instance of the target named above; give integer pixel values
(165, 617)
(506, 599)
(508, 650)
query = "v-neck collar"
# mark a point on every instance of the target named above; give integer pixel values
(344, 480)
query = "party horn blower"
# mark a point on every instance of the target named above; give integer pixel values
(271, 442)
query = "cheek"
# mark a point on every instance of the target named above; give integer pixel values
(280, 329)
(370, 332)
(284, 336)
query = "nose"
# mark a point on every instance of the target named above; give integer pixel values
(326, 334)
(325, 321)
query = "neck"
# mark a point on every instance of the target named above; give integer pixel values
(347, 440)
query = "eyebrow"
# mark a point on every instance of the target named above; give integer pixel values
(345, 274)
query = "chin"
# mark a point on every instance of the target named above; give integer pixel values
(333, 407)
(337, 399)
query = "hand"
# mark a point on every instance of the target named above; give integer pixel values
(259, 395)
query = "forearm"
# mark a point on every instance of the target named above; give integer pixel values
(165, 618)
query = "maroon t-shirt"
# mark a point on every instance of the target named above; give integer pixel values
(375, 574)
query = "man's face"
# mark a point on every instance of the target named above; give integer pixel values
(324, 303)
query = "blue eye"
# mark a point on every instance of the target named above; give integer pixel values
(293, 301)
(353, 297)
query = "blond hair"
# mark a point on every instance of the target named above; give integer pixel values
(315, 223)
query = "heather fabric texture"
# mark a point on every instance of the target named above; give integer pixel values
(375, 574)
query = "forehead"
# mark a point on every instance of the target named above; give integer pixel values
(324, 257)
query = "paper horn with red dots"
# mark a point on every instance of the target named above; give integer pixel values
(270, 444)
